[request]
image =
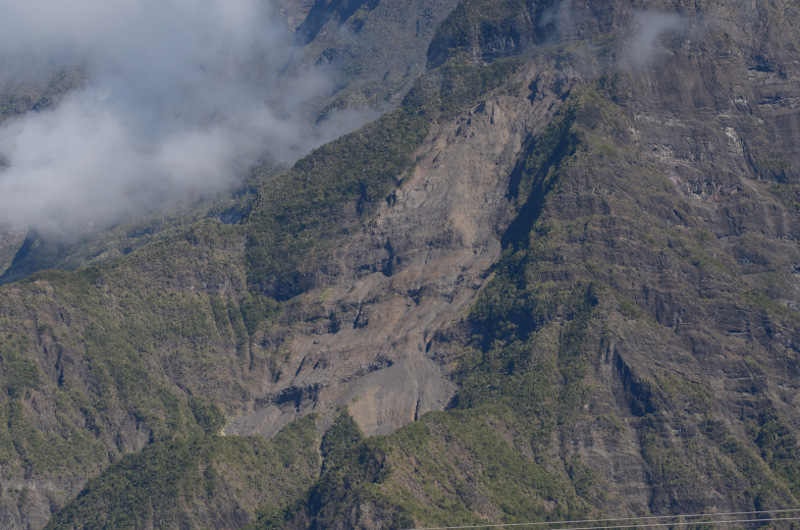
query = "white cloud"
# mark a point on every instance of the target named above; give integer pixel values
(650, 28)
(182, 96)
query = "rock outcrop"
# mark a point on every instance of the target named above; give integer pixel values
(364, 341)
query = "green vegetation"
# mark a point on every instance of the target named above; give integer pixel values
(18, 372)
(207, 415)
(16, 100)
(207, 481)
(192, 220)
(780, 449)
(309, 207)
(459, 83)
(774, 166)
(116, 336)
(440, 470)
(746, 469)
(463, 465)
(331, 192)
(350, 464)
(342, 435)
(668, 465)
(484, 25)
(767, 306)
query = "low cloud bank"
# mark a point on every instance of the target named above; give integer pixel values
(182, 97)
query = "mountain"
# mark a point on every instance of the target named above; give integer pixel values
(558, 281)
(371, 51)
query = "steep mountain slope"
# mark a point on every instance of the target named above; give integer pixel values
(567, 264)
(379, 295)
(376, 47)
(629, 342)
(26, 251)
(371, 51)
(129, 350)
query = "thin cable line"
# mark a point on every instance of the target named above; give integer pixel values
(618, 519)
(683, 523)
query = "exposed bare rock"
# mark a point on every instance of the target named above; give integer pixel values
(365, 340)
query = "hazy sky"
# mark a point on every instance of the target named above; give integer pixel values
(182, 97)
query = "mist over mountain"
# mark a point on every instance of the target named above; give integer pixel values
(180, 99)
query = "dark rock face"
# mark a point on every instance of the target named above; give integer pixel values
(687, 219)
(378, 47)
(324, 10)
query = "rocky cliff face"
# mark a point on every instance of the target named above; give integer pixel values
(363, 339)
(561, 279)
